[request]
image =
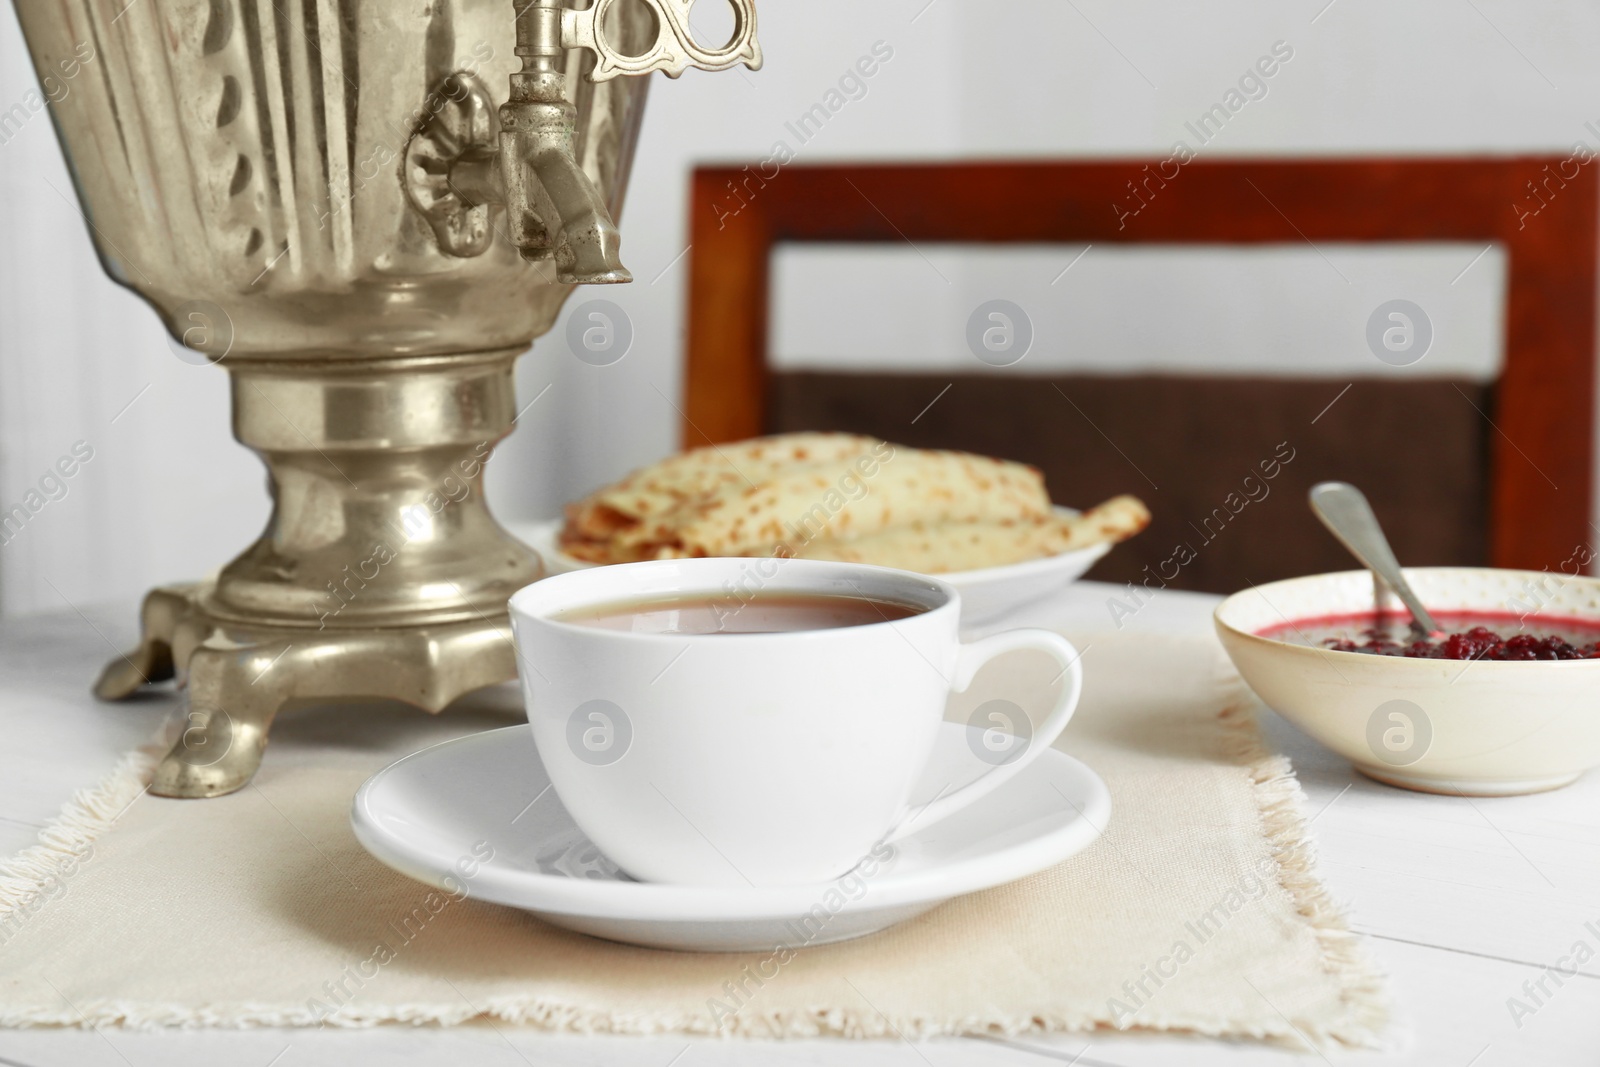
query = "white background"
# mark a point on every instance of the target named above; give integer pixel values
(169, 494)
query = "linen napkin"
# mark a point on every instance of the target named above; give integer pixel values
(1197, 909)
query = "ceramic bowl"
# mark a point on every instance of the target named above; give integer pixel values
(987, 595)
(1456, 727)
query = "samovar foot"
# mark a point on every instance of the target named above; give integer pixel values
(239, 675)
(218, 752)
(159, 617)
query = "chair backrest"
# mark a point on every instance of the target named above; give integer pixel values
(1465, 473)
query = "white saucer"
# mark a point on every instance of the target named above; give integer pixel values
(986, 594)
(429, 816)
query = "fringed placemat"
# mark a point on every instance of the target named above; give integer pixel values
(1197, 910)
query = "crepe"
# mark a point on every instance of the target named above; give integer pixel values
(947, 548)
(699, 475)
(835, 496)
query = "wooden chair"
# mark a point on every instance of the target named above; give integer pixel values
(1462, 473)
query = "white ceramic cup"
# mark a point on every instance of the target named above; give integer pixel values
(756, 759)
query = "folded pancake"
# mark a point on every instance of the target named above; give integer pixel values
(791, 490)
(836, 496)
(699, 476)
(963, 546)
(848, 499)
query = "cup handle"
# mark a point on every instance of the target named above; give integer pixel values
(972, 658)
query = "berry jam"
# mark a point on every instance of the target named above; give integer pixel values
(1465, 636)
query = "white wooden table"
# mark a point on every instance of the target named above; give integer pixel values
(1461, 901)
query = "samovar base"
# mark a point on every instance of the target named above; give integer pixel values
(239, 675)
(381, 573)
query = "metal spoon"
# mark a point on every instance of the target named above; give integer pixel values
(1344, 510)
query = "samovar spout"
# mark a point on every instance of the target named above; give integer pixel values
(552, 206)
(586, 240)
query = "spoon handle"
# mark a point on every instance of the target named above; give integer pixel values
(1344, 510)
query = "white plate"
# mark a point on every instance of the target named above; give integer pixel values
(433, 816)
(986, 594)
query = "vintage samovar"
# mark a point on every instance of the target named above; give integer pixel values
(364, 210)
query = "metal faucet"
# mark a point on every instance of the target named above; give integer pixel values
(460, 166)
(542, 179)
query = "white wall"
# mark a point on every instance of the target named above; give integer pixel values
(168, 494)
